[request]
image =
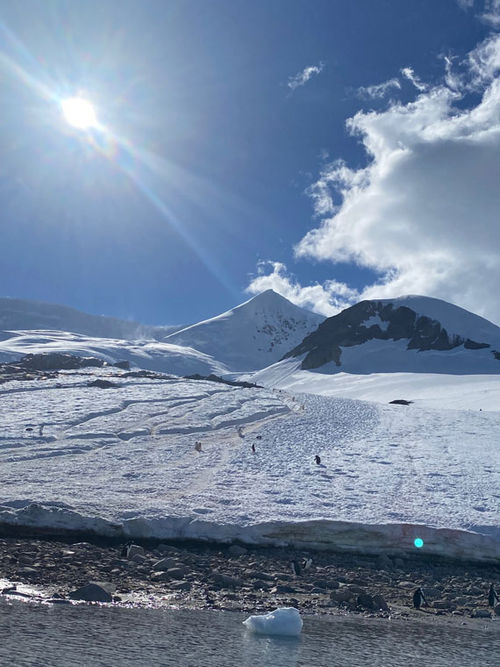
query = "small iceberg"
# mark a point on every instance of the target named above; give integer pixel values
(285, 622)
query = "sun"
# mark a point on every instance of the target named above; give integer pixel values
(79, 113)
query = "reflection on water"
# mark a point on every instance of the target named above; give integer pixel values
(60, 635)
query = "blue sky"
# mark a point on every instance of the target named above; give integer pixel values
(222, 165)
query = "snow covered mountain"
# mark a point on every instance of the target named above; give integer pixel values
(412, 334)
(147, 354)
(253, 335)
(21, 314)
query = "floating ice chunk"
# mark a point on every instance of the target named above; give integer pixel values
(285, 621)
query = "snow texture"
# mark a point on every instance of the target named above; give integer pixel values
(285, 621)
(122, 461)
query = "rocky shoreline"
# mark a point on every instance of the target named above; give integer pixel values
(253, 579)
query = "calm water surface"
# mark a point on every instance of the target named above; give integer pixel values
(60, 635)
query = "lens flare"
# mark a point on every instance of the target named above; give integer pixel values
(418, 542)
(79, 113)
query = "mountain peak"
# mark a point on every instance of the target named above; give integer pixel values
(252, 335)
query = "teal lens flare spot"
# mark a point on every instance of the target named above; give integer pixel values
(418, 542)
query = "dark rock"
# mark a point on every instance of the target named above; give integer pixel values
(125, 365)
(180, 585)
(349, 328)
(179, 572)
(497, 610)
(342, 595)
(236, 550)
(365, 600)
(380, 603)
(481, 613)
(164, 564)
(225, 581)
(91, 593)
(282, 588)
(102, 384)
(400, 401)
(132, 550)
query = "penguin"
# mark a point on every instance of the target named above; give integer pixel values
(317, 459)
(492, 596)
(197, 446)
(306, 563)
(258, 437)
(419, 598)
(296, 569)
(253, 448)
(124, 551)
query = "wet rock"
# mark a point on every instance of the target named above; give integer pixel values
(254, 574)
(180, 585)
(497, 610)
(91, 593)
(365, 600)
(27, 571)
(235, 550)
(342, 595)
(481, 613)
(380, 603)
(282, 588)
(354, 588)
(133, 550)
(442, 604)
(178, 572)
(226, 581)
(164, 564)
(140, 559)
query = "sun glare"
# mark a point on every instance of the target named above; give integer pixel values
(79, 113)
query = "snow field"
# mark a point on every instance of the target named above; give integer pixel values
(124, 459)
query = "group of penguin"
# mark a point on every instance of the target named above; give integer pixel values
(419, 597)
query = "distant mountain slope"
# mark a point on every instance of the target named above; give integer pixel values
(148, 354)
(412, 333)
(21, 314)
(253, 335)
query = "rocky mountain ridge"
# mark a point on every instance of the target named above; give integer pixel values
(395, 320)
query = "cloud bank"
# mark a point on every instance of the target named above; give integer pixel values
(424, 212)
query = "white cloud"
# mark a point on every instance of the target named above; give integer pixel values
(491, 13)
(326, 299)
(303, 77)
(424, 211)
(489, 10)
(379, 90)
(409, 74)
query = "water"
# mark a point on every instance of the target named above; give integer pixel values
(60, 635)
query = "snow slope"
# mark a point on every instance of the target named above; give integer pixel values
(433, 390)
(121, 461)
(151, 355)
(24, 314)
(253, 335)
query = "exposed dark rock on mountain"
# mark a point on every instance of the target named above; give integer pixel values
(378, 320)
